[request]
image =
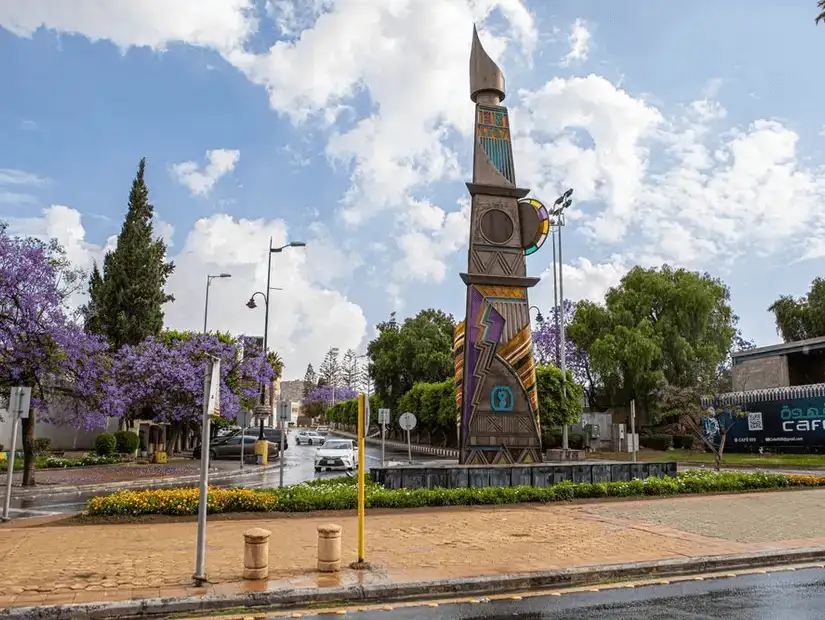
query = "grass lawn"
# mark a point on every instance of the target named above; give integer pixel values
(730, 458)
(39, 463)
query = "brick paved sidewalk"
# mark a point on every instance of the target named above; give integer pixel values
(58, 564)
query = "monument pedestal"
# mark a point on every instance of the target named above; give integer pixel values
(557, 455)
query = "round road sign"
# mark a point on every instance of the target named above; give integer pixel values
(407, 421)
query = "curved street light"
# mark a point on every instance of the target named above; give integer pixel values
(252, 305)
(209, 279)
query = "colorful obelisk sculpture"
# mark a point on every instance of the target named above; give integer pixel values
(494, 369)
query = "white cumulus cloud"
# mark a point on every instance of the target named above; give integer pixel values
(200, 182)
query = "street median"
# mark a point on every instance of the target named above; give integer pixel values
(341, 494)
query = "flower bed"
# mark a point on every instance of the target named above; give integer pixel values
(58, 462)
(341, 494)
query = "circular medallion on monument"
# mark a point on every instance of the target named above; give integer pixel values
(496, 226)
(535, 224)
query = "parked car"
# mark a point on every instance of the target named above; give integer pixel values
(309, 437)
(336, 454)
(270, 434)
(323, 431)
(230, 447)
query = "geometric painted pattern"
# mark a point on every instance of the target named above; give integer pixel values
(493, 131)
(503, 263)
(458, 353)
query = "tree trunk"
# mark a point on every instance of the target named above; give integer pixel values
(173, 433)
(28, 449)
(720, 451)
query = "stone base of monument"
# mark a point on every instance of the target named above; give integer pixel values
(560, 454)
(449, 476)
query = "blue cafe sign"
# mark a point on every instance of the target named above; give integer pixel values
(787, 424)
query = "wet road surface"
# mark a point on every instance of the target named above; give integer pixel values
(798, 595)
(299, 466)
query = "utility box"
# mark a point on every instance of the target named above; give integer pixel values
(618, 438)
(591, 434)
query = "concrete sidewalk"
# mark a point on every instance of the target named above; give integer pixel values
(59, 565)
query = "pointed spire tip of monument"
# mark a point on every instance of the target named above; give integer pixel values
(485, 74)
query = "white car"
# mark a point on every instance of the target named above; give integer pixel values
(309, 437)
(336, 454)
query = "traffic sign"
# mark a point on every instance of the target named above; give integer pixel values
(407, 421)
(383, 416)
(284, 410)
(20, 401)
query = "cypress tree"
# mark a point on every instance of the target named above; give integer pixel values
(126, 300)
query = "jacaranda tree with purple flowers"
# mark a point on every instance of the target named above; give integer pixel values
(546, 341)
(162, 378)
(41, 347)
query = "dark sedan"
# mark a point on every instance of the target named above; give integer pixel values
(230, 447)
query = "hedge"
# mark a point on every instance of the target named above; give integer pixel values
(341, 494)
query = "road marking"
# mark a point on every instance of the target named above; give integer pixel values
(515, 598)
(698, 579)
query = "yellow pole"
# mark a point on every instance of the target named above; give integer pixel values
(361, 495)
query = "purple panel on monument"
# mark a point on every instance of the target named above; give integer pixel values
(470, 352)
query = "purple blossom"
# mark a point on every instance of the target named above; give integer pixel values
(162, 378)
(41, 347)
(546, 340)
(324, 395)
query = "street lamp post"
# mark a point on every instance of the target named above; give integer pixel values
(562, 203)
(206, 303)
(539, 320)
(251, 304)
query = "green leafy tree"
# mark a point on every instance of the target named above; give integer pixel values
(349, 370)
(821, 16)
(419, 350)
(802, 318)
(329, 372)
(126, 299)
(659, 326)
(557, 406)
(310, 381)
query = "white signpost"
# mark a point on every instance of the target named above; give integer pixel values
(407, 422)
(211, 404)
(383, 420)
(19, 403)
(284, 416)
(243, 433)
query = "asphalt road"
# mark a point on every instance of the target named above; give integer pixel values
(299, 467)
(796, 595)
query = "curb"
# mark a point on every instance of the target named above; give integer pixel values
(132, 484)
(467, 586)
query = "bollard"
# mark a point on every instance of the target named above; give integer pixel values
(262, 450)
(329, 548)
(256, 553)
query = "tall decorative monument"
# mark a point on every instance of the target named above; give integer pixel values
(495, 372)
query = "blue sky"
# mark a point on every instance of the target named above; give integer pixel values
(691, 138)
